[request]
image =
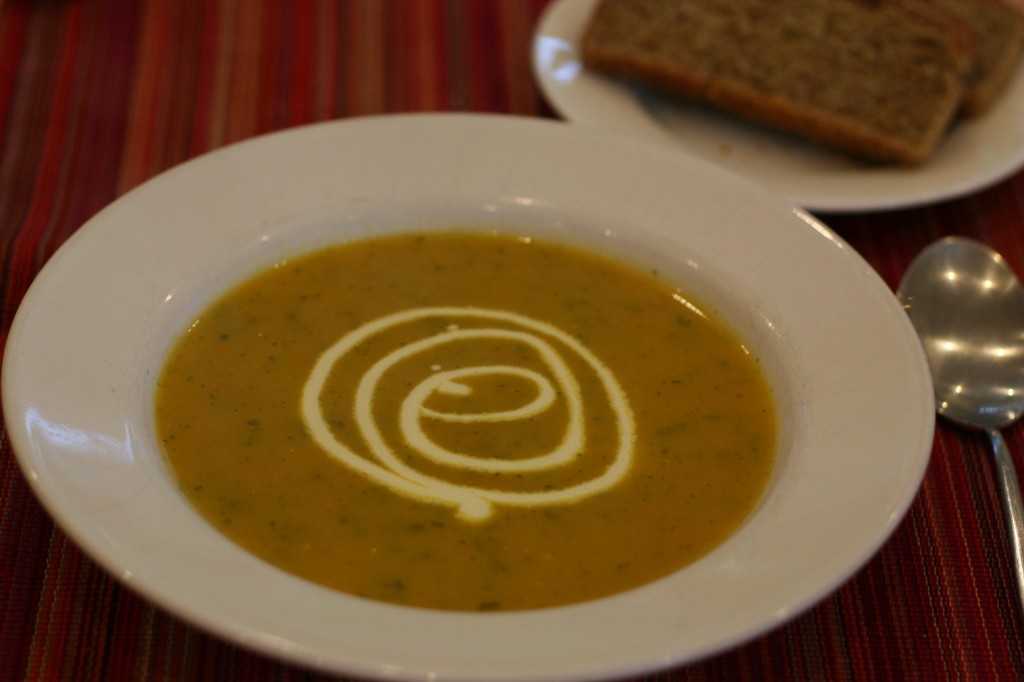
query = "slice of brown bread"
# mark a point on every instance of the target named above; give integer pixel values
(999, 29)
(878, 79)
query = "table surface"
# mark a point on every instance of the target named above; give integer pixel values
(97, 96)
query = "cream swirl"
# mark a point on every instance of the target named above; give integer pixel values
(474, 503)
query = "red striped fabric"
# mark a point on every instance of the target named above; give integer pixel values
(97, 96)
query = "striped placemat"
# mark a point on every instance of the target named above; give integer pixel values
(97, 96)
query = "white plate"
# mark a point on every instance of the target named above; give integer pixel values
(850, 380)
(976, 153)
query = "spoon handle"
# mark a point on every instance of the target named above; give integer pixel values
(1013, 507)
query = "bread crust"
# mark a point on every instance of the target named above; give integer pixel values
(999, 30)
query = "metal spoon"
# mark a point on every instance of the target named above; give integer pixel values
(968, 308)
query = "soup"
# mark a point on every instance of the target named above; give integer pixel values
(466, 421)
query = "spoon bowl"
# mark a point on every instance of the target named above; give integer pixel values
(967, 306)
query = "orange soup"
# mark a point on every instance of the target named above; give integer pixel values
(466, 421)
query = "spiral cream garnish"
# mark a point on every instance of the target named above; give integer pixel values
(473, 503)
